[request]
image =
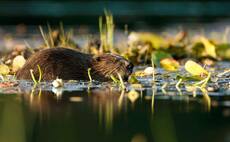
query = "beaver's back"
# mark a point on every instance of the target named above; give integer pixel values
(64, 63)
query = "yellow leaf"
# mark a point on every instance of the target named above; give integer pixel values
(18, 62)
(210, 49)
(139, 73)
(195, 69)
(4, 69)
(155, 40)
(169, 64)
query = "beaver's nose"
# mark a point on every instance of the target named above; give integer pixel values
(130, 68)
(126, 77)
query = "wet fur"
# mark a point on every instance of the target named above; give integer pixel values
(69, 64)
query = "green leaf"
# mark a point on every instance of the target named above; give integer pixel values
(133, 79)
(157, 56)
(223, 51)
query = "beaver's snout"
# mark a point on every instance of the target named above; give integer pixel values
(129, 68)
(126, 78)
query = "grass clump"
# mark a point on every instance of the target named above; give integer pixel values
(106, 32)
(119, 81)
(58, 37)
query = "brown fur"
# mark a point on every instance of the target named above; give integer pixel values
(69, 64)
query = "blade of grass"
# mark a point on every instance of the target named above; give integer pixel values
(44, 37)
(89, 75)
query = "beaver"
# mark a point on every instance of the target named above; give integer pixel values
(69, 64)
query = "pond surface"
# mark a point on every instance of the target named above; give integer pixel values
(85, 112)
(105, 115)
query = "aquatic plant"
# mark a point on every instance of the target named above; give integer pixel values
(106, 30)
(118, 81)
(178, 85)
(89, 75)
(33, 77)
(114, 79)
(195, 69)
(223, 73)
(121, 81)
(58, 37)
(163, 87)
(196, 72)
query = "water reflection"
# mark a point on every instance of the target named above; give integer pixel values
(111, 115)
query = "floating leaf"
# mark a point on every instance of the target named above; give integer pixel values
(210, 48)
(195, 69)
(4, 69)
(18, 62)
(169, 64)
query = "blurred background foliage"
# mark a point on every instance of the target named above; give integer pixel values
(130, 12)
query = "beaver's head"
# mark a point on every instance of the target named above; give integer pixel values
(108, 65)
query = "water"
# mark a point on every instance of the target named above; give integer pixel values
(86, 112)
(100, 117)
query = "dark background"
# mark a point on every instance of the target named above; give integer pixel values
(125, 12)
